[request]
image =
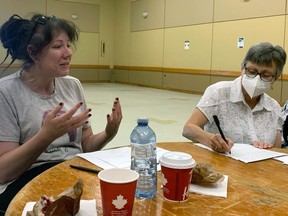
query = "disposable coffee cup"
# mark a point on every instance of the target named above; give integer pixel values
(176, 168)
(117, 191)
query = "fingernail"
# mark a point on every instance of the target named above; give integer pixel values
(61, 104)
(108, 115)
(115, 102)
(89, 115)
(117, 98)
(113, 109)
(87, 122)
(89, 110)
(81, 103)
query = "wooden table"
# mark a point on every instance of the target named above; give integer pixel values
(259, 188)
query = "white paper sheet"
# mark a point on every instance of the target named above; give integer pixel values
(117, 157)
(87, 208)
(283, 159)
(215, 189)
(247, 153)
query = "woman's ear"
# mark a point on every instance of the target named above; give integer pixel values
(32, 52)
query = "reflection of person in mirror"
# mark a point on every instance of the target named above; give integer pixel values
(29, 143)
(246, 113)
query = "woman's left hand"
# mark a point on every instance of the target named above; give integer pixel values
(114, 119)
(262, 145)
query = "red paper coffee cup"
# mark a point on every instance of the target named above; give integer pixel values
(176, 168)
(118, 190)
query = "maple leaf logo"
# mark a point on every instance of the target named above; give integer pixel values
(164, 180)
(119, 203)
(185, 193)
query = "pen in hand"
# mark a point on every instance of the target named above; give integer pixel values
(219, 128)
(85, 169)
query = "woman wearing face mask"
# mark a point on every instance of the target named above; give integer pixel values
(246, 113)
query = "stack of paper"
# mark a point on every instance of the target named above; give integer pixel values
(247, 153)
(283, 159)
(117, 157)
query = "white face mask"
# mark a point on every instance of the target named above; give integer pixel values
(255, 86)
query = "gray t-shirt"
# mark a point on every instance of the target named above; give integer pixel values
(23, 111)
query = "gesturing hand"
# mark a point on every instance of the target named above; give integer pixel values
(114, 119)
(57, 124)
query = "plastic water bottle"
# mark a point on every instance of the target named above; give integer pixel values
(144, 159)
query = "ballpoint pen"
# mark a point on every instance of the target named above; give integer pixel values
(85, 169)
(219, 128)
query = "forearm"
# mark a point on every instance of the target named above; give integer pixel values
(197, 134)
(278, 142)
(95, 142)
(16, 161)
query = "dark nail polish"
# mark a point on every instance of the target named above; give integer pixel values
(61, 104)
(117, 98)
(81, 103)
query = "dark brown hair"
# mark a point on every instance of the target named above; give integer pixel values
(17, 33)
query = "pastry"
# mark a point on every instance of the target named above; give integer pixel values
(65, 204)
(205, 173)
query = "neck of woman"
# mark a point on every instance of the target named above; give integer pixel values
(37, 83)
(252, 102)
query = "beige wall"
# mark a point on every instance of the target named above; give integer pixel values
(226, 56)
(211, 26)
(150, 51)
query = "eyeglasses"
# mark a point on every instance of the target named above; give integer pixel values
(44, 19)
(264, 75)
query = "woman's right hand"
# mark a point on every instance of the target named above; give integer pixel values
(219, 145)
(56, 125)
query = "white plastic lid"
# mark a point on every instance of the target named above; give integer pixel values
(142, 120)
(177, 160)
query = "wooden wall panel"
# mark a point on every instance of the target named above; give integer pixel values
(242, 9)
(151, 79)
(104, 75)
(199, 54)
(87, 49)
(226, 56)
(85, 75)
(275, 92)
(24, 8)
(189, 82)
(121, 76)
(122, 32)
(88, 14)
(286, 46)
(284, 96)
(146, 48)
(155, 18)
(188, 12)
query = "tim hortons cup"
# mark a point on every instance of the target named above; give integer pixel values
(117, 191)
(176, 168)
